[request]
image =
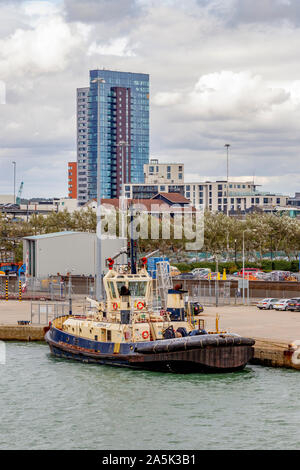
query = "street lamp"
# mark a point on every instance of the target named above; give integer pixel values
(235, 251)
(272, 264)
(122, 144)
(14, 163)
(227, 146)
(99, 292)
(246, 230)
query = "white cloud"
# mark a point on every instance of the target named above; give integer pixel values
(221, 71)
(117, 47)
(44, 46)
(225, 95)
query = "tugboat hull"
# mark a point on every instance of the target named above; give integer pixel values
(209, 353)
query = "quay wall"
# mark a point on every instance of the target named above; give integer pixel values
(266, 353)
(22, 332)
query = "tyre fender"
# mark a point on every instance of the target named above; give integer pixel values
(296, 353)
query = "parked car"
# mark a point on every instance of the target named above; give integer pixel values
(200, 273)
(248, 271)
(174, 271)
(196, 308)
(184, 276)
(200, 270)
(266, 304)
(282, 304)
(294, 304)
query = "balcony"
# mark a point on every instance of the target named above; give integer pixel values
(251, 193)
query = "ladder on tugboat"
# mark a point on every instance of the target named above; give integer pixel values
(164, 281)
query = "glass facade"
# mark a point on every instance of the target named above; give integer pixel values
(124, 117)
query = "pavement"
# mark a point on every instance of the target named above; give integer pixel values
(278, 326)
(12, 311)
(245, 320)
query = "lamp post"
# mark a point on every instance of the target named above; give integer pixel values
(272, 264)
(122, 144)
(247, 230)
(227, 146)
(217, 281)
(235, 251)
(99, 291)
(15, 165)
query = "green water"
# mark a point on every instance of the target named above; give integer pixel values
(47, 403)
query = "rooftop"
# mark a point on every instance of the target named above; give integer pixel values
(51, 235)
(173, 197)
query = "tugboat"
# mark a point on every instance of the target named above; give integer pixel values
(127, 331)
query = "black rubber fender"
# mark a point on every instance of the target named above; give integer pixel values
(192, 342)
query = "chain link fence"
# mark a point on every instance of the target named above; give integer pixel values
(52, 288)
(209, 293)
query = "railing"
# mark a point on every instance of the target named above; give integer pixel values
(251, 193)
(44, 312)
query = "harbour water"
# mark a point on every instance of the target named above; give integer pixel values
(47, 403)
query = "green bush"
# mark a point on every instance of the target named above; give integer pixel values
(231, 267)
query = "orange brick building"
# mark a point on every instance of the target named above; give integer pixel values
(72, 180)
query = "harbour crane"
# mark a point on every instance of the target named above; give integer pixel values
(18, 200)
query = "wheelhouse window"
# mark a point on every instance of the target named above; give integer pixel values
(120, 284)
(112, 289)
(137, 288)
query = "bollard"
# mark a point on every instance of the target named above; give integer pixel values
(6, 289)
(20, 291)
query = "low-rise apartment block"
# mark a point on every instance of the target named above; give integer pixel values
(158, 173)
(213, 195)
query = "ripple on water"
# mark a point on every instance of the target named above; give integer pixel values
(48, 403)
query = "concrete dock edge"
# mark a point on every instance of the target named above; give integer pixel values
(22, 332)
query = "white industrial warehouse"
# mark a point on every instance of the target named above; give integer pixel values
(67, 252)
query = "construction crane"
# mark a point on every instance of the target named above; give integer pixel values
(18, 200)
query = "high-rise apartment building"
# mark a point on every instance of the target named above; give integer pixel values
(82, 144)
(123, 133)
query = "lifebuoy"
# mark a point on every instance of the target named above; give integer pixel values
(296, 353)
(140, 305)
(115, 306)
(145, 334)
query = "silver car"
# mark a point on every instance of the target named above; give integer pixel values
(266, 304)
(282, 304)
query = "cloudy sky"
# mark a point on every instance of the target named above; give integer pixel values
(221, 71)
